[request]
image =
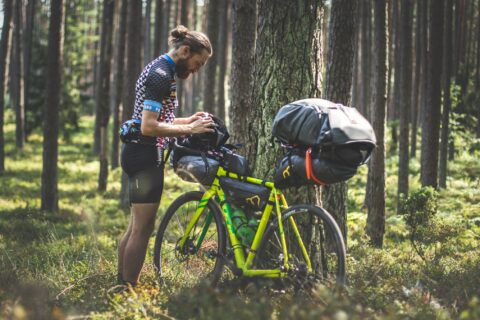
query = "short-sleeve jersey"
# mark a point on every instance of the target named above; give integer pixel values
(156, 91)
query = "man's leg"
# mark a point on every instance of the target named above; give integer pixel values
(143, 221)
(121, 249)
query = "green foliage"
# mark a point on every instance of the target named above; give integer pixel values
(420, 207)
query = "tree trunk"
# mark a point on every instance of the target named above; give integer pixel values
(394, 107)
(284, 56)
(222, 57)
(424, 67)
(166, 26)
(52, 101)
(477, 78)
(118, 80)
(430, 136)
(17, 80)
(132, 71)
(356, 83)
(147, 46)
(404, 94)
(366, 47)
(244, 13)
(103, 89)
(27, 52)
(210, 74)
(183, 86)
(5, 42)
(158, 32)
(338, 84)
(287, 68)
(447, 67)
(417, 80)
(375, 227)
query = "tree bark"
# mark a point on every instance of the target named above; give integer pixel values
(166, 26)
(244, 13)
(477, 78)
(5, 42)
(430, 136)
(183, 86)
(366, 47)
(132, 71)
(52, 102)
(103, 89)
(210, 73)
(158, 32)
(222, 57)
(447, 67)
(27, 52)
(118, 80)
(338, 84)
(147, 45)
(417, 79)
(284, 56)
(404, 94)
(17, 80)
(375, 227)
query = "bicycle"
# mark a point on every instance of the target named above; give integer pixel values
(299, 243)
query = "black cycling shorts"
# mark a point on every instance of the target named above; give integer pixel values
(145, 177)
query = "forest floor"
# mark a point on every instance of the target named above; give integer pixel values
(63, 265)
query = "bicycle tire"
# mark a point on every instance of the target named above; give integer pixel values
(190, 266)
(323, 241)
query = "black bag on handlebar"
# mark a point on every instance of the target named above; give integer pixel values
(196, 158)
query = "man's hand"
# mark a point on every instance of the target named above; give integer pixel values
(199, 115)
(202, 124)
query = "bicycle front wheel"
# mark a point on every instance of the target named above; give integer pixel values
(322, 258)
(200, 258)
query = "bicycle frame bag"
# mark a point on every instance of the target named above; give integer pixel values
(194, 168)
(300, 168)
(245, 195)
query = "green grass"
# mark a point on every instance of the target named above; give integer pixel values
(64, 264)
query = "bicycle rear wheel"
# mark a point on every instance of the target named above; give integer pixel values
(322, 239)
(200, 258)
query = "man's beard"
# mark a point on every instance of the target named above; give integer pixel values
(181, 69)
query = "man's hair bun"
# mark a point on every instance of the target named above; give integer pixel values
(179, 33)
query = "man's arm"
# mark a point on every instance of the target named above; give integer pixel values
(152, 127)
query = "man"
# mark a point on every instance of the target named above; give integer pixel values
(154, 113)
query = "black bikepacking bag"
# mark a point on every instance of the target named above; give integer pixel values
(194, 168)
(245, 195)
(296, 170)
(321, 123)
(236, 163)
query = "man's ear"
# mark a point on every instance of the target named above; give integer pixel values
(184, 51)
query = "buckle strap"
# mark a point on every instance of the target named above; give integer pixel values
(309, 168)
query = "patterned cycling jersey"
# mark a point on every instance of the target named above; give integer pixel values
(156, 91)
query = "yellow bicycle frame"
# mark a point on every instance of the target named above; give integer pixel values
(277, 198)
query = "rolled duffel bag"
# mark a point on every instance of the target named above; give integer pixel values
(320, 123)
(245, 195)
(197, 169)
(299, 168)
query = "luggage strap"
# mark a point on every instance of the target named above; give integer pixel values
(309, 168)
